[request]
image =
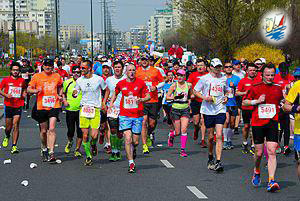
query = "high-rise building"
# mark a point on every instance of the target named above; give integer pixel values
(72, 31)
(138, 35)
(40, 11)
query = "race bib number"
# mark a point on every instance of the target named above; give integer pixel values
(216, 90)
(149, 85)
(114, 113)
(266, 111)
(130, 102)
(88, 111)
(48, 101)
(15, 91)
(24, 76)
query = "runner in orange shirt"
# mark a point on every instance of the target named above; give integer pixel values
(154, 81)
(48, 87)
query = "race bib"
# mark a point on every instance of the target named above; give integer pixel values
(48, 101)
(216, 90)
(25, 76)
(114, 113)
(149, 85)
(130, 102)
(87, 111)
(15, 91)
(266, 111)
(230, 93)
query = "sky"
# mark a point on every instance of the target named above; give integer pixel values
(126, 13)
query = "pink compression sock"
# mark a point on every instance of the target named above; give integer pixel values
(183, 139)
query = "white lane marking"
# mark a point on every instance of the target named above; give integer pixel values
(198, 193)
(167, 163)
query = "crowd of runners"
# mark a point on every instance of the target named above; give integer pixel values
(114, 101)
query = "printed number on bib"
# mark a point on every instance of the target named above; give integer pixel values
(130, 102)
(88, 111)
(48, 101)
(114, 113)
(216, 90)
(24, 76)
(15, 91)
(266, 111)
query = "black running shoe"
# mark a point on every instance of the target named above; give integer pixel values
(45, 156)
(52, 158)
(245, 149)
(88, 161)
(219, 167)
(211, 164)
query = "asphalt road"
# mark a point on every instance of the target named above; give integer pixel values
(105, 180)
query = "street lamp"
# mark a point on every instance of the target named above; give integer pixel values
(92, 31)
(56, 24)
(14, 30)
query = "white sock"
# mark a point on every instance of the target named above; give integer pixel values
(225, 133)
(131, 161)
(229, 134)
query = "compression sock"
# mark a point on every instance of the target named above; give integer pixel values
(183, 139)
(87, 149)
(225, 134)
(113, 142)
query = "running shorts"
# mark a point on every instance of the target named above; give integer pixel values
(151, 109)
(211, 121)
(247, 116)
(268, 131)
(195, 107)
(90, 122)
(130, 123)
(176, 114)
(44, 115)
(10, 112)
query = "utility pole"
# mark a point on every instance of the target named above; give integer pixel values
(92, 32)
(105, 26)
(56, 24)
(14, 30)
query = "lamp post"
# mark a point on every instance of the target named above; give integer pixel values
(92, 31)
(56, 23)
(14, 30)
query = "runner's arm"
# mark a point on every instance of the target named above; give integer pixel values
(113, 99)
(170, 94)
(248, 102)
(106, 95)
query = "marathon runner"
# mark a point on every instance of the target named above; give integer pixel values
(72, 111)
(167, 105)
(243, 87)
(90, 85)
(211, 88)
(265, 96)
(113, 117)
(154, 81)
(291, 105)
(26, 73)
(180, 92)
(196, 102)
(134, 93)
(232, 107)
(13, 88)
(48, 87)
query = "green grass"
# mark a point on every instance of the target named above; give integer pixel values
(4, 72)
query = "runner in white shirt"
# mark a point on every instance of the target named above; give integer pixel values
(90, 85)
(113, 116)
(212, 89)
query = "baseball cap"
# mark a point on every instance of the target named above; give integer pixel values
(236, 62)
(180, 71)
(297, 72)
(216, 62)
(263, 60)
(48, 62)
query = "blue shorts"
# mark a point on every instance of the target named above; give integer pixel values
(210, 121)
(130, 123)
(297, 142)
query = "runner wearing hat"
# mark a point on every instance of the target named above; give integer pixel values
(180, 92)
(211, 88)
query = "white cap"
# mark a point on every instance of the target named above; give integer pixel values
(216, 62)
(263, 60)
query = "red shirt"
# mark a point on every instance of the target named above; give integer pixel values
(258, 77)
(245, 85)
(273, 96)
(131, 91)
(283, 81)
(193, 79)
(63, 73)
(14, 87)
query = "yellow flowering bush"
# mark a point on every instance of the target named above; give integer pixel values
(258, 50)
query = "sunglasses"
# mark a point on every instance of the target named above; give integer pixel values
(228, 66)
(180, 75)
(258, 64)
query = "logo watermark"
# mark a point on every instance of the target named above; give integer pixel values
(275, 27)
